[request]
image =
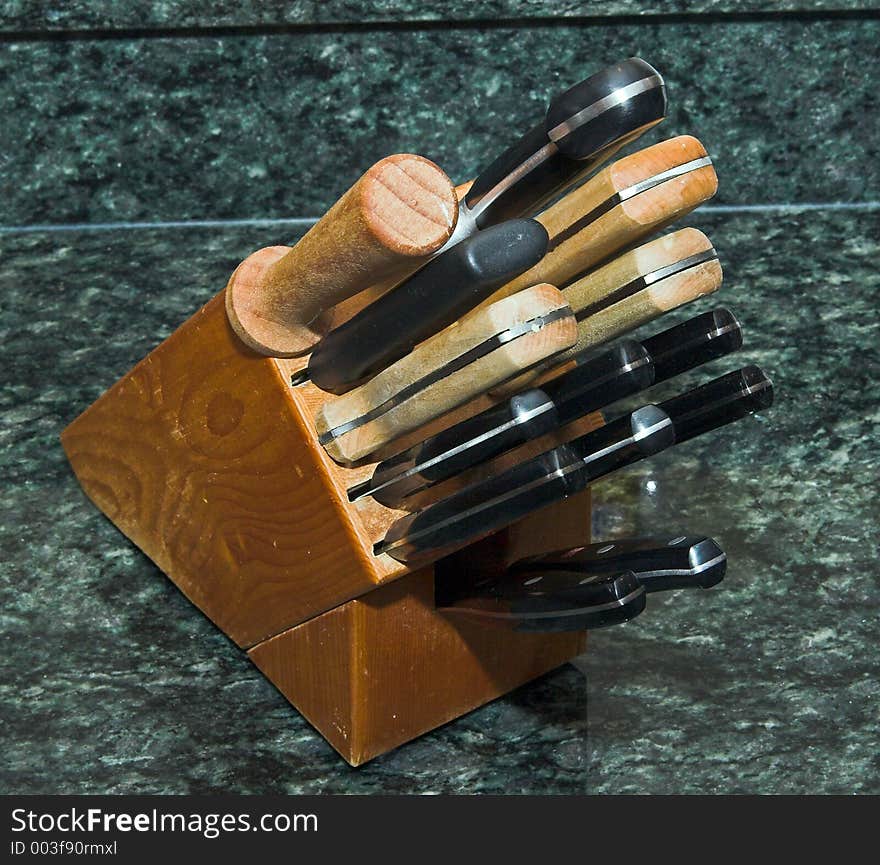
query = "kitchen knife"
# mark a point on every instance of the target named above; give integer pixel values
(398, 214)
(583, 127)
(433, 298)
(482, 508)
(595, 382)
(545, 603)
(680, 562)
(498, 500)
(623, 203)
(447, 370)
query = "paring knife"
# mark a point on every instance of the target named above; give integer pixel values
(585, 587)
(660, 564)
(446, 371)
(583, 127)
(562, 602)
(595, 382)
(487, 505)
(433, 298)
(623, 203)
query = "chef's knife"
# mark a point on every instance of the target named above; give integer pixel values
(595, 382)
(622, 204)
(433, 298)
(496, 501)
(583, 127)
(545, 603)
(447, 370)
(660, 564)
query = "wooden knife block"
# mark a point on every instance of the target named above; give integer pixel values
(207, 459)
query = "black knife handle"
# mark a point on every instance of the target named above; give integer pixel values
(661, 564)
(488, 505)
(555, 602)
(523, 417)
(719, 402)
(694, 342)
(621, 119)
(434, 297)
(600, 380)
(583, 127)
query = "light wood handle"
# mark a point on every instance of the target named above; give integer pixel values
(615, 299)
(578, 242)
(389, 223)
(358, 423)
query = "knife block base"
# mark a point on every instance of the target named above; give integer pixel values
(207, 459)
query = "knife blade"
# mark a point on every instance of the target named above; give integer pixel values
(433, 298)
(489, 504)
(583, 127)
(484, 507)
(546, 603)
(622, 204)
(660, 564)
(445, 371)
(595, 382)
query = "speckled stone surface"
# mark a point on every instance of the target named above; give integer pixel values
(110, 681)
(277, 126)
(111, 14)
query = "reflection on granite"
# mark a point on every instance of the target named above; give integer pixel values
(112, 682)
(230, 127)
(79, 14)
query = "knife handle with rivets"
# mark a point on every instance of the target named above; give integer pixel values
(400, 212)
(484, 507)
(440, 293)
(623, 370)
(555, 602)
(623, 203)
(446, 371)
(583, 127)
(660, 564)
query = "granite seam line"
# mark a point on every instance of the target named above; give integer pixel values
(535, 22)
(309, 221)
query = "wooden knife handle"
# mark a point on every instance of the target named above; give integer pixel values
(640, 305)
(384, 227)
(357, 424)
(650, 302)
(575, 249)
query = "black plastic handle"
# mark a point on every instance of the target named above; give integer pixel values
(583, 127)
(434, 297)
(719, 402)
(545, 603)
(661, 564)
(488, 505)
(694, 342)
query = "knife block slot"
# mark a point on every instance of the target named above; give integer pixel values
(207, 459)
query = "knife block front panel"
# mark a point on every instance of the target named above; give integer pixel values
(207, 459)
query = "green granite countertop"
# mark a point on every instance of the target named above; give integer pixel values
(112, 682)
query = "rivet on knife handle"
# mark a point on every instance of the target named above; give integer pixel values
(401, 211)
(446, 371)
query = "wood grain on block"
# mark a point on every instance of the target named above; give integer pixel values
(389, 223)
(448, 390)
(201, 456)
(575, 249)
(387, 667)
